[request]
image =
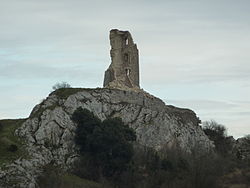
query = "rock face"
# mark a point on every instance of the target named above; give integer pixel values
(124, 69)
(242, 148)
(49, 131)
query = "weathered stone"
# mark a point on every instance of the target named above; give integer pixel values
(124, 69)
(242, 148)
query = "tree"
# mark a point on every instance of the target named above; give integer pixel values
(111, 146)
(107, 143)
(212, 128)
(61, 85)
(86, 123)
(217, 133)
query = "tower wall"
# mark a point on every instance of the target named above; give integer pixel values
(124, 67)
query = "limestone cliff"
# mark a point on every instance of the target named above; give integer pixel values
(49, 131)
(242, 148)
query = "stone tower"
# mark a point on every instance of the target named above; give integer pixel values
(123, 71)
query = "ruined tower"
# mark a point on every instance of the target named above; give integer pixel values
(123, 71)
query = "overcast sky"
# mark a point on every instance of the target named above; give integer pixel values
(193, 53)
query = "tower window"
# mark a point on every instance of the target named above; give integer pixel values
(126, 41)
(127, 72)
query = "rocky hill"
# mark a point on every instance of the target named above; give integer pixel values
(49, 131)
(242, 148)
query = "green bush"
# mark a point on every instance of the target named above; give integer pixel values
(86, 123)
(12, 148)
(106, 144)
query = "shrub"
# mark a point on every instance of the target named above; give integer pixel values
(12, 148)
(110, 145)
(217, 133)
(86, 123)
(167, 165)
(61, 85)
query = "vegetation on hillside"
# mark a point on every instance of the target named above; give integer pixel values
(106, 145)
(11, 146)
(64, 93)
(111, 158)
(53, 177)
(217, 133)
(236, 168)
(59, 85)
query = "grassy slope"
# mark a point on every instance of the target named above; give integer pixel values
(54, 177)
(62, 93)
(7, 138)
(70, 180)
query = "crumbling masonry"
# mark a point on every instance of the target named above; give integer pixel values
(123, 71)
